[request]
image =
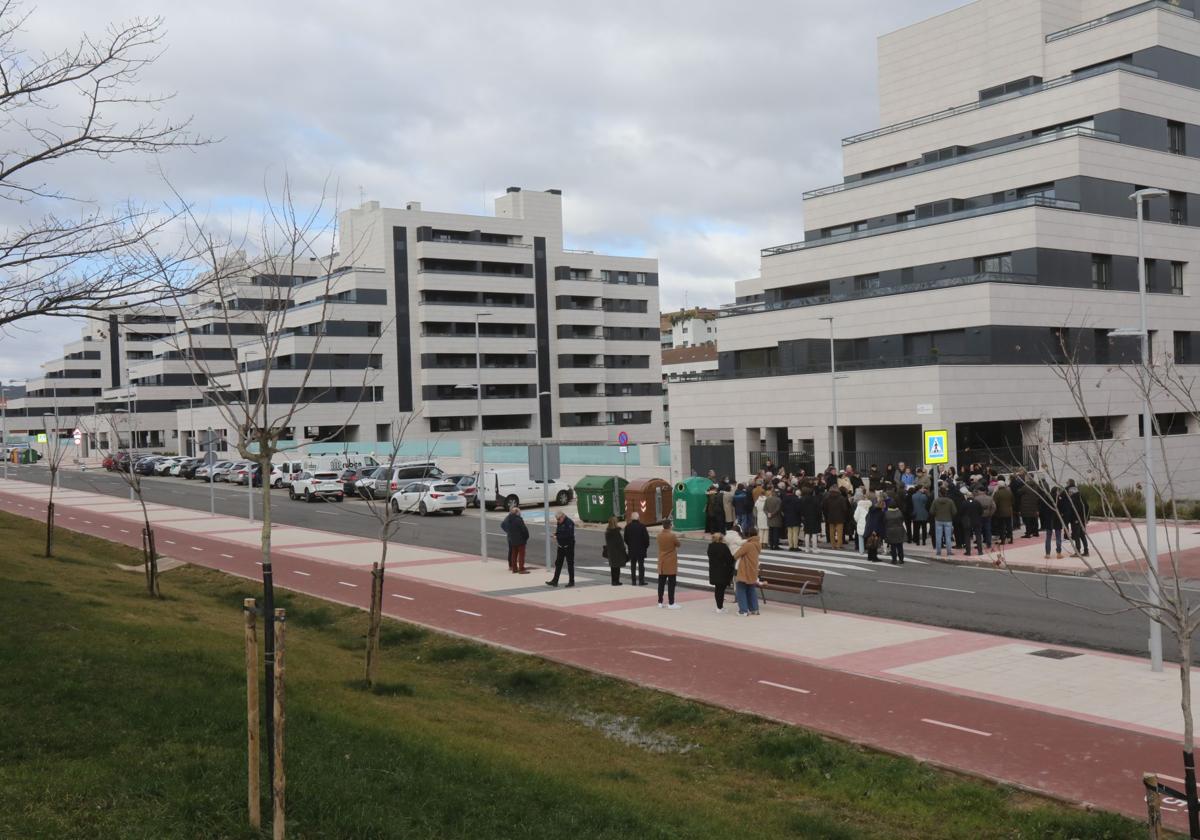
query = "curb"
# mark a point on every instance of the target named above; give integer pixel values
(1005, 565)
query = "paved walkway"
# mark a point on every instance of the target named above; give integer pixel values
(1074, 724)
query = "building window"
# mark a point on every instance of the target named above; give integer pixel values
(994, 264)
(1177, 278)
(1166, 424)
(1183, 348)
(866, 282)
(1176, 138)
(1101, 271)
(906, 217)
(1037, 191)
(1069, 429)
(451, 424)
(1178, 202)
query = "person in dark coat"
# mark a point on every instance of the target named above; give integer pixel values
(714, 512)
(971, 516)
(614, 550)
(1002, 520)
(894, 533)
(1028, 505)
(836, 508)
(564, 538)
(1050, 511)
(720, 569)
(792, 519)
(904, 502)
(810, 516)
(1080, 516)
(517, 532)
(743, 506)
(873, 531)
(637, 543)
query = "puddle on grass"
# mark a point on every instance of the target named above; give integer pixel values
(627, 730)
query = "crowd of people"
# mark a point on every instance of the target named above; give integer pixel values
(977, 508)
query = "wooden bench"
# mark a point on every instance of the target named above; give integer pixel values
(792, 579)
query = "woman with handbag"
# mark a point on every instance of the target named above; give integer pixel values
(873, 537)
(614, 550)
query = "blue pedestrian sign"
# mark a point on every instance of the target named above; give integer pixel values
(935, 446)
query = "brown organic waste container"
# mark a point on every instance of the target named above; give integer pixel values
(650, 498)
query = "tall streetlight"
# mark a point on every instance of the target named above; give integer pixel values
(833, 387)
(1148, 491)
(4, 426)
(481, 491)
(246, 395)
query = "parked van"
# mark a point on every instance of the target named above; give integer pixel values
(383, 483)
(285, 472)
(340, 461)
(509, 487)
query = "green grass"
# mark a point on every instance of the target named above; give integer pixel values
(123, 717)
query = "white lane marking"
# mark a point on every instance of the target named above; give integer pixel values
(550, 632)
(169, 542)
(87, 522)
(1170, 778)
(956, 726)
(403, 597)
(227, 556)
(69, 517)
(468, 612)
(784, 687)
(124, 530)
(257, 562)
(106, 526)
(650, 656)
(926, 586)
(297, 571)
(820, 564)
(195, 548)
(351, 585)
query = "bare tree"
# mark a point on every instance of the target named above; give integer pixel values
(388, 514)
(133, 479)
(77, 103)
(1146, 580)
(55, 452)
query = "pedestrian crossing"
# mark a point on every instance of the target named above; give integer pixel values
(693, 568)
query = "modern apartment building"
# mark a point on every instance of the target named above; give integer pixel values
(568, 340)
(984, 226)
(689, 346)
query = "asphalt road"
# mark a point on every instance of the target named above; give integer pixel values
(961, 597)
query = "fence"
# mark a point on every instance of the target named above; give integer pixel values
(794, 461)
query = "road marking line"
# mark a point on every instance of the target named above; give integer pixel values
(784, 687)
(403, 597)
(123, 530)
(650, 656)
(195, 548)
(227, 556)
(956, 726)
(925, 586)
(352, 585)
(468, 612)
(106, 526)
(297, 571)
(551, 632)
(257, 562)
(1170, 778)
(87, 522)
(69, 517)
(169, 542)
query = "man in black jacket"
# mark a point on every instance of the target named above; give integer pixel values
(564, 538)
(518, 535)
(637, 543)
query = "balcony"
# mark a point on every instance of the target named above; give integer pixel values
(1029, 142)
(1113, 17)
(927, 285)
(843, 366)
(1019, 204)
(975, 106)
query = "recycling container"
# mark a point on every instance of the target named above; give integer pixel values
(690, 501)
(650, 498)
(600, 496)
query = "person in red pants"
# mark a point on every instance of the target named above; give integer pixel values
(518, 535)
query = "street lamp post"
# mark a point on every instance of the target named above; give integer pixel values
(481, 490)
(1156, 654)
(246, 395)
(833, 387)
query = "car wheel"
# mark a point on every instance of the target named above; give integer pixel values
(422, 510)
(562, 498)
(511, 500)
(341, 498)
(457, 512)
(395, 506)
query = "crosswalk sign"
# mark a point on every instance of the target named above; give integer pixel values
(935, 447)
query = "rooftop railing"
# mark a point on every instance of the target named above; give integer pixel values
(1076, 131)
(987, 210)
(1079, 76)
(1113, 17)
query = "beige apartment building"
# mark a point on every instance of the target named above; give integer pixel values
(986, 224)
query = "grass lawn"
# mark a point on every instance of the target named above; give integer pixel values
(121, 716)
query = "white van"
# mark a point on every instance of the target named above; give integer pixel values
(340, 461)
(514, 487)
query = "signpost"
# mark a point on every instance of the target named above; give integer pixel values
(623, 442)
(936, 452)
(544, 466)
(210, 458)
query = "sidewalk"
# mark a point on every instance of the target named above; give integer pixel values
(1074, 724)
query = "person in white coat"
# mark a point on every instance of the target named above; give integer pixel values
(860, 519)
(760, 514)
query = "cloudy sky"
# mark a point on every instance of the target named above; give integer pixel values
(682, 130)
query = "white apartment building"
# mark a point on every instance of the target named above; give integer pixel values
(689, 346)
(987, 221)
(568, 340)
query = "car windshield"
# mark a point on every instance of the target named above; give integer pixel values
(445, 488)
(326, 476)
(467, 481)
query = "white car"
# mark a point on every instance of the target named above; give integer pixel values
(283, 474)
(321, 485)
(430, 495)
(219, 471)
(164, 466)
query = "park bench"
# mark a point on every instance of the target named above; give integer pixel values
(783, 578)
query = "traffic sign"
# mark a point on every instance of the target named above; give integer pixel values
(935, 446)
(41, 437)
(78, 435)
(623, 438)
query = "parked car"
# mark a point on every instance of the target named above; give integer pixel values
(109, 462)
(514, 487)
(124, 461)
(178, 466)
(389, 481)
(350, 476)
(236, 473)
(429, 495)
(146, 466)
(244, 472)
(466, 483)
(190, 469)
(321, 485)
(366, 481)
(285, 472)
(164, 466)
(219, 470)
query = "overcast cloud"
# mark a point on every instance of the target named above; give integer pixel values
(682, 130)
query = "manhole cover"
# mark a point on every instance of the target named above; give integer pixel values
(1051, 653)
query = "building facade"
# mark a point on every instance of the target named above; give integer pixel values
(567, 347)
(985, 227)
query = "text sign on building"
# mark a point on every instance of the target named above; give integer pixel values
(935, 446)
